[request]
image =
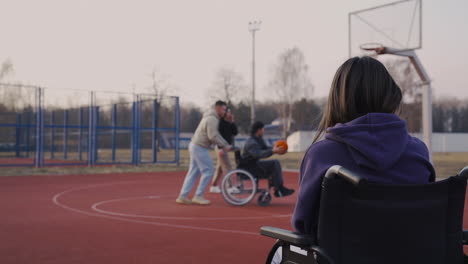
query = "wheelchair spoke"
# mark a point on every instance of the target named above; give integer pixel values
(238, 187)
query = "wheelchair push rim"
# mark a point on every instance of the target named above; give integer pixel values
(245, 184)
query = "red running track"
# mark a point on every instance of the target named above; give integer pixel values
(129, 218)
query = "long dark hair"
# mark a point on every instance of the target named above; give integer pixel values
(361, 85)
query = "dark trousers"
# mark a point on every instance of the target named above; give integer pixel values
(272, 169)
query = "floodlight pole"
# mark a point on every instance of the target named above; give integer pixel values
(427, 93)
(253, 27)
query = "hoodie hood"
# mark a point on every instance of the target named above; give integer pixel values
(375, 140)
(211, 112)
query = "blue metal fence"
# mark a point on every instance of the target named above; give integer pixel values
(43, 135)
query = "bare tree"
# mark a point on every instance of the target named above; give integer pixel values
(159, 84)
(9, 94)
(227, 86)
(14, 96)
(450, 114)
(291, 82)
(190, 116)
(407, 79)
(6, 69)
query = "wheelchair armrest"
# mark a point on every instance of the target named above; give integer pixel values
(287, 236)
(465, 237)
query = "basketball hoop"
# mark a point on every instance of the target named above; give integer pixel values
(375, 47)
(375, 31)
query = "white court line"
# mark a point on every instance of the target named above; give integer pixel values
(96, 205)
(56, 201)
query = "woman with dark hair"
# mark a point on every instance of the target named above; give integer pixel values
(361, 132)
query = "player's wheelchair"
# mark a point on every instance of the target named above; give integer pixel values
(239, 186)
(364, 222)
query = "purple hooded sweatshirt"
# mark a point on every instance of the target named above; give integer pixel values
(376, 146)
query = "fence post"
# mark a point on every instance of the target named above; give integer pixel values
(36, 130)
(28, 143)
(96, 134)
(114, 124)
(154, 138)
(42, 124)
(18, 135)
(52, 134)
(38, 162)
(65, 135)
(90, 130)
(133, 131)
(177, 132)
(138, 126)
(80, 133)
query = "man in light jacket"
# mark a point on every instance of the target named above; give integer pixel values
(205, 135)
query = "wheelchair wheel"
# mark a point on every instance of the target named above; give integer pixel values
(238, 187)
(264, 199)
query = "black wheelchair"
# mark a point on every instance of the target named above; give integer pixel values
(364, 222)
(239, 186)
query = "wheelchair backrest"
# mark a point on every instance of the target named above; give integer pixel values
(362, 222)
(242, 162)
(237, 157)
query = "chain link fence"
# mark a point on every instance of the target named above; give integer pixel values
(48, 127)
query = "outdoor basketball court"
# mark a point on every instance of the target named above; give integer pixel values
(129, 218)
(133, 217)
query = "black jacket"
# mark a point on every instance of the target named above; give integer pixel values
(255, 149)
(227, 130)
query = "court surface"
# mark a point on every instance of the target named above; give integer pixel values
(129, 218)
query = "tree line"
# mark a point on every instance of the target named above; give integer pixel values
(306, 115)
(297, 109)
(448, 115)
(293, 106)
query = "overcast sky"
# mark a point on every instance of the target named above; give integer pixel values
(112, 45)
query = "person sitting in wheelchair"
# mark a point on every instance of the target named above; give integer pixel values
(256, 149)
(361, 131)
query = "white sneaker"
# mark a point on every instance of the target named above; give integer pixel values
(215, 189)
(183, 200)
(234, 190)
(200, 200)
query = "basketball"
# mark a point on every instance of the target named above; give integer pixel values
(282, 143)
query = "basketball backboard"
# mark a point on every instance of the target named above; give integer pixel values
(396, 25)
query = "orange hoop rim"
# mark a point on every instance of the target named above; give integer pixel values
(373, 46)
